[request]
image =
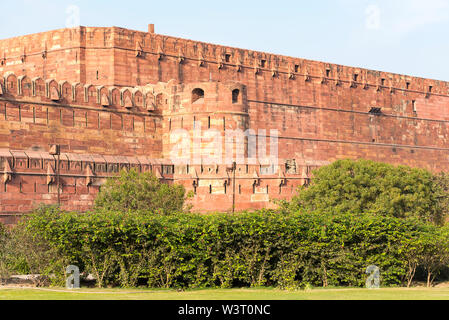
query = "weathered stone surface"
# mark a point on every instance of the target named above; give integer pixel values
(111, 98)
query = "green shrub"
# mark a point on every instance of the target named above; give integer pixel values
(364, 186)
(140, 192)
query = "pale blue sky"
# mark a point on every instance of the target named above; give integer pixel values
(400, 36)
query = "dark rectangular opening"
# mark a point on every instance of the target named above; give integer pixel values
(264, 63)
(227, 57)
(296, 68)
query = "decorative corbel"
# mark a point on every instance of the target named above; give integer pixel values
(307, 77)
(338, 81)
(282, 178)
(89, 175)
(392, 89)
(365, 83)
(201, 60)
(23, 56)
(274, 71)
(7, 172)
(323, 77)
(139, 49)
(257, 66)
(50, 174)
(181, 57)
(220, 61)
(44, 53)
(291, 71)
(239, 65)
(228, 178)
(256, 178)
(196, 178)
(160, 52)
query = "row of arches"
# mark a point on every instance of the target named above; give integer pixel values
(63, 91)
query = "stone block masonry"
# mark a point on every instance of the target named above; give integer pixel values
(111, 98)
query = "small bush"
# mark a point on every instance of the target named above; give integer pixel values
(364, 186)
(133, 191)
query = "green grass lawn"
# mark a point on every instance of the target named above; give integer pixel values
(224, 294)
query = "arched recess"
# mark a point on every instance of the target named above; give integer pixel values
(114, 93)
(103, 96)
(38, 87)
(138, 98)
(127, 101)
(11, 83)
(236, 96)
(65, 89)
(52, 90)
(24, 86)
(197, 96)
(78, 92)
(90, 93)
(161, 101)
(150, 102)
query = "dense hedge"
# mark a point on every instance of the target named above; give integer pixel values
(248, 249)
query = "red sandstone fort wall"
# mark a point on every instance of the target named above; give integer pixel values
(323, 112)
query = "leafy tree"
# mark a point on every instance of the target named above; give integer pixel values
(364, 186)
(133, 191)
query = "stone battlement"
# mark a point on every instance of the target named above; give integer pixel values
(49, 47)
(113, 98)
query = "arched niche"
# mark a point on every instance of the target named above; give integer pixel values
(115, 96)
(24, 86)
(236, 96)
(161, 101)
(127, 100)
(65, 89)
(103, 96)
(78, 92)
(38, 87)
(150, 103)
(52, 89)
(197, 96)
(11, 83)
(138, 98)
(90, 94)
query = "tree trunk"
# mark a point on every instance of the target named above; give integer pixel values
(411, 273)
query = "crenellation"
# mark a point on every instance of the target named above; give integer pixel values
(112, 98)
